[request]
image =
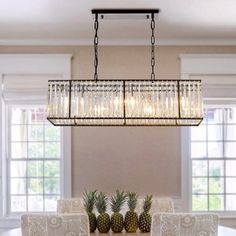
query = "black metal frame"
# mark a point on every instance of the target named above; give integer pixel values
(124, 118)
(150, 14)
(125, 11)
(124, 125)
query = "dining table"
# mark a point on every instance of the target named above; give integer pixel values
(223, 231)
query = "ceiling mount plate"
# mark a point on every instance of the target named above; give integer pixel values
(125, 13)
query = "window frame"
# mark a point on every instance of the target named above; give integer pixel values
(187, 162)
(37, 66)
(217, 72)
(35, 103)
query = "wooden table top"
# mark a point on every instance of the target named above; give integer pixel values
(223, 231)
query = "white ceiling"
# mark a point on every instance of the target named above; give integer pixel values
(71, 22)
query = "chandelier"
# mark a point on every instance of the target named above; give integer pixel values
(148, 102)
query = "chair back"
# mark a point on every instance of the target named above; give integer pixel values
(70, 205)
(54, 224)
(184, 224)
(159, 205)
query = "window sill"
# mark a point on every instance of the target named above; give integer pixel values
(9, 222)
(222, 215)
(227, 216)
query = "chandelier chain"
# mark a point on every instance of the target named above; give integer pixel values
(96, 24)
(153, 47)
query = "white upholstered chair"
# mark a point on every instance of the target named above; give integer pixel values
(184, 224)
(55, 225)
(70, 220)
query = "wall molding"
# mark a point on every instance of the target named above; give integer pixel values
(89, 42)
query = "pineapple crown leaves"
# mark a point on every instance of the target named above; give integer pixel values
(118, 201)
(101, 202)
(147, 203)
(132, 200)
(89, 198)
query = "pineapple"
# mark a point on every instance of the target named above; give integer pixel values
(117, 220)
(103, 220)
(145, 218)
(89, 201)
(131, 217)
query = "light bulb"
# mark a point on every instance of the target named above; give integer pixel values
(66, 106)
(82, 101)
(82, 109)
(148, 110)
(183, 102)
(116, 101)
(132, 102)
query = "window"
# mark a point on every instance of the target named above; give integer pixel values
(213, 158)
(34, 160)
(23, 85)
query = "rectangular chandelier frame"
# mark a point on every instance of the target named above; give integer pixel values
(101, 102)
(124, 102)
